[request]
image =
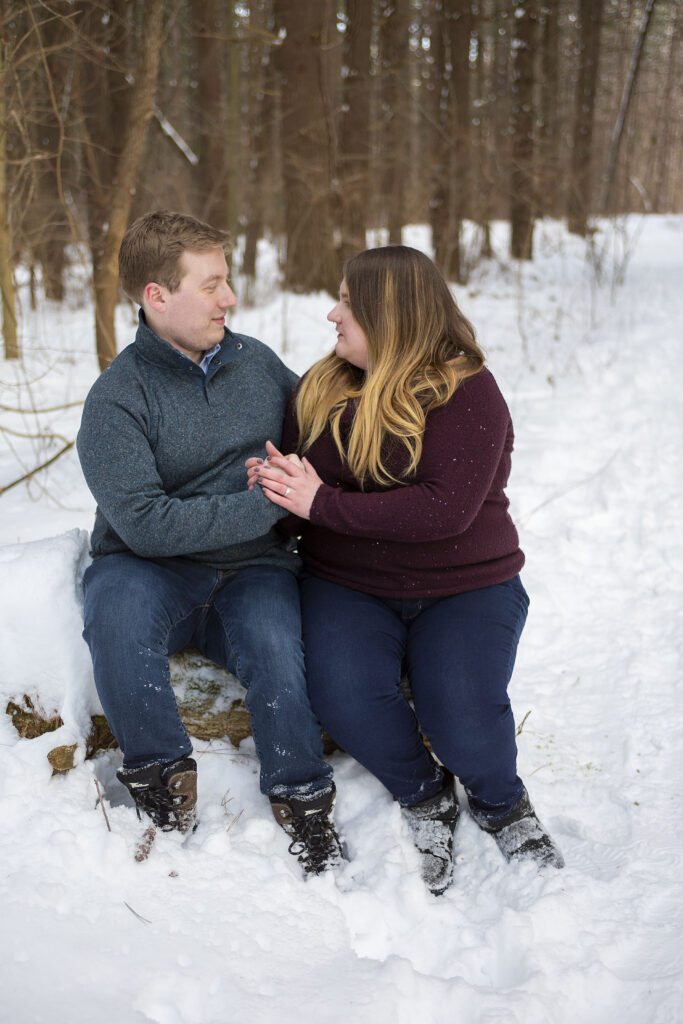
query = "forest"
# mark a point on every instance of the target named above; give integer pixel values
(534, 150)
(312, 122)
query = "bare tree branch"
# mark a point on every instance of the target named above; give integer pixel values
(32, 472)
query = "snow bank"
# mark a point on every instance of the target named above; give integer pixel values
(42, 653)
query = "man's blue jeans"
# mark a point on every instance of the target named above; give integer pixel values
(138, 611)
(458, 653)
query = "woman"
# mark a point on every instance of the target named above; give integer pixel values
(411, 559)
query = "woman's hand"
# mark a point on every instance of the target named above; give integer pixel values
(253, 464)
(288, 483)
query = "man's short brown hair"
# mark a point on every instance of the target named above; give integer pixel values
(153, 244)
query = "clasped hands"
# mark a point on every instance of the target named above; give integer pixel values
(286, 480)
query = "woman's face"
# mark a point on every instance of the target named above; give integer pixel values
(352, 345)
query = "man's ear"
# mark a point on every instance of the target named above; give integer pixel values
(154, 295)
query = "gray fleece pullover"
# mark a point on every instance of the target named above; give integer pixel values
(162, 446)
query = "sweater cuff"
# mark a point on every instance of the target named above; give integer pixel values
(317, 514)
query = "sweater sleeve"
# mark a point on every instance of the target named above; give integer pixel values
(130, 494)
(463, 445)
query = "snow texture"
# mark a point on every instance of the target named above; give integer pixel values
(585, 342)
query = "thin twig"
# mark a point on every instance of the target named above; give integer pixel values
(51, 408)
(104, 810)
(139, 916)
(33, 437)
(518, 731)
(234, 821)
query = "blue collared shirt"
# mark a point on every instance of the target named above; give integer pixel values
(208, 356)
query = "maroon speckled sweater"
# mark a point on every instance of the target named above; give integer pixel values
(446, 532)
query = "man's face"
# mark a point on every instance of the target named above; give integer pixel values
(192, 318)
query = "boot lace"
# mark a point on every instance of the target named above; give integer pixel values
(165, 808)
(315, 842)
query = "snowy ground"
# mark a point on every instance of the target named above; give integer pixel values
(224, 930)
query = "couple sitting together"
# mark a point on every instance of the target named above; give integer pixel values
(319, 539)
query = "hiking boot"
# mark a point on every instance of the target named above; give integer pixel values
(165, 793)
(432, 823)
(308, 823)
(521, 836)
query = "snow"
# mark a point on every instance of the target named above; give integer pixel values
(586, 344)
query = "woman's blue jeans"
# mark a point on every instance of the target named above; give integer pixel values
(138, 611)
(458, 653)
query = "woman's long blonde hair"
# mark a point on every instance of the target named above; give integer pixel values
(420, 347)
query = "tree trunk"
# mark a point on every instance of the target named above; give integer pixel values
(354, 157)
(307, 146)
(451, 115)
(501, 100)
(395, 91)
(549, 201)
(210, 113)
(48, 216)
(120, 192)
(580, 180)
(665, 148)
(482, 123)
(439, 148)
(460, 34)
(522, 131)
(259, 113)
(9, 305)
(608, 183)
(231, 201)
(9, 316)
(263, 138)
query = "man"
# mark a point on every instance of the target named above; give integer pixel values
(183, 552)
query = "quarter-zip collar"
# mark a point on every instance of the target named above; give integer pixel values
(154, 349)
